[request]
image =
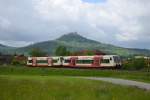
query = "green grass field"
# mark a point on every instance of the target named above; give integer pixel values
(23, 70)
(29, 87)
(27, 83)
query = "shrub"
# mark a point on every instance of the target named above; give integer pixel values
(135, 64)
(17, 62)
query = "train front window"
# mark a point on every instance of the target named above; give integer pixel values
(105, 61)
(116, 59)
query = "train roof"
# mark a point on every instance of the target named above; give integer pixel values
(76, 56)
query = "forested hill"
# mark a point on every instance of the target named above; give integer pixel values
(75, 42)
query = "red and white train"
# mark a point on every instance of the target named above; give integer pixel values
(102, 61)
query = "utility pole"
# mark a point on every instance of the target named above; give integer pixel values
(148, 66)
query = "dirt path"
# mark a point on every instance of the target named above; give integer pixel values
(141, 85)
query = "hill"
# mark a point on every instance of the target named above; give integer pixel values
(76, 42)
(6, 49)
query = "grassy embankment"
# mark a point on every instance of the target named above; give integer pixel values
(35, 87)
(20, 70)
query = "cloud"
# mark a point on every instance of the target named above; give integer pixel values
(4, 23)
(15, 43)
(132, 12)
(120, 22)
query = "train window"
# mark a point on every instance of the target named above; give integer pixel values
(105, 61)
(67, 61)
(110, 58)
(84, 61)
(61, 59)
(42, 61)
(116, 59)
(30, 61)
(55, 60)
(79, 61)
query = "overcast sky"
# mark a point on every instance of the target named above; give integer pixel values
(124, 23)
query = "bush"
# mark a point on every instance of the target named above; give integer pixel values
(135, 64)
(17, 62)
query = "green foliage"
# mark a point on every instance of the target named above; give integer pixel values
(18, 62)
(62, 51)
(36, 52)
(135, 64)
(15, 62)
(83, 53)
(90, 53)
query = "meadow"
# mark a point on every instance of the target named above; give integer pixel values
(24, 70)
(23, 87)
(27, 83)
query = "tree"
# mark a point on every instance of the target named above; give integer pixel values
(89, 53)
(36, 52)
(62, 51)
(84, 53)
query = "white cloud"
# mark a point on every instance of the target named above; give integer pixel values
(4, 23)
(121, 22)
(15, 43)
(120, 14)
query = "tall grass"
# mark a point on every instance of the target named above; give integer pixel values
(23, 70)
(14, 87)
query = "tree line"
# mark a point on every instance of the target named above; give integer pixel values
(59, 51)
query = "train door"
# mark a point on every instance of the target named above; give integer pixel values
(61, 61)
(34, 62)
(73, 62)
(96, 62)
(49, 61)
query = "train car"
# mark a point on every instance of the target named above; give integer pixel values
(39, 61)
(44, 61)
(106, 61)
(103, 61)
